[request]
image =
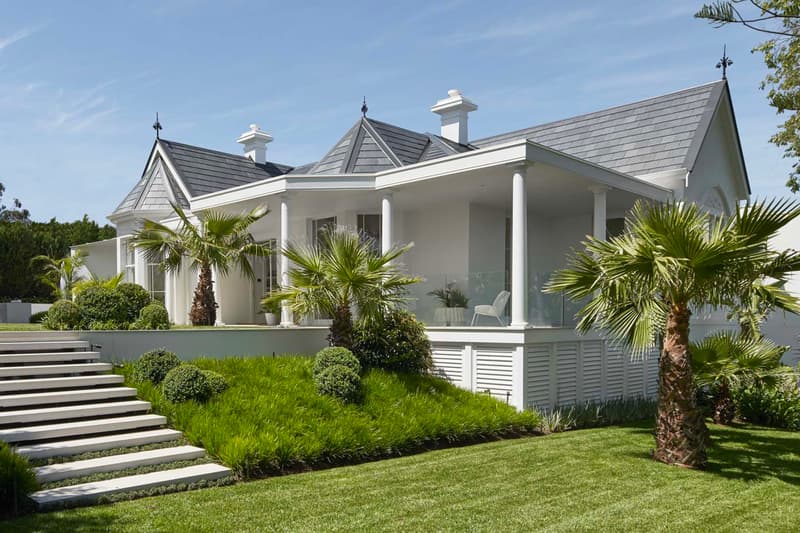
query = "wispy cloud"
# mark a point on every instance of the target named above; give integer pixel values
(523, 28)
(19, 35)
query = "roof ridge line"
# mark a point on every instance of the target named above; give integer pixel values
(383, 145)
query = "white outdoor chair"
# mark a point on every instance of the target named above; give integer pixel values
(495, 310)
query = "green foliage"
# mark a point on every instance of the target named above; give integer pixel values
(186, 382)
(728, 357)
(269, 305)
(217, 383)
(398, 342)
(152, 316)
(102, 305)
(769, 405)
(106, 325)
(38, 318)
(136, 298)
(272, 419)
(54, 272)
(17, 480)
(597, 414)
(338, 381)
(335, 356)
(450, 296)
(64, 314)
(154, 365)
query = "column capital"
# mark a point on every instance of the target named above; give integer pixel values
(597, 189)
(520, 166)
(387, 193)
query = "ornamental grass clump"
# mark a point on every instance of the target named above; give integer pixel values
(17, 480)
(154, 365)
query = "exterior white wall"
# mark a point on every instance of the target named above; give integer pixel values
(102, 258)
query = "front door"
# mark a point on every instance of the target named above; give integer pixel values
(266, 280)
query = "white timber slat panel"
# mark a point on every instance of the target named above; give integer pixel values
(615, 372)
(592, 371)
(448, 363)
(494, 370)
(538, 378)
(635, 374)
(567, 372)
(652, 374)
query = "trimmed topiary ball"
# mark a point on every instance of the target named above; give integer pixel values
(153, 316)
(397, 343)
(63, 314)
(216, 381)
(339, 381)
(101, 304)
(17, 480)
(154, 365)
(136, 298)
(186, 382)
(335, 355)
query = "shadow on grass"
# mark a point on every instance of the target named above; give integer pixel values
(62, 522)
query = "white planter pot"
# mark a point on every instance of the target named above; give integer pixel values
(271, 318)
(450, 316)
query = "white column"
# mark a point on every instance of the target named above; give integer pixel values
(120, 256)
(386, 222)
(169, 294)
(599, 218)
(286, 313)
(519, 248)
(140, 268)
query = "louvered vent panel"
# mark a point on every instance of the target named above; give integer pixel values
(493, 370)
(635, 375)
(538, 378)
(448, 363)
(652, 374)
(592, 371)
(615, 372)
(567, 365)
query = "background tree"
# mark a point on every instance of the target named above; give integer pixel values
(339, 273)
(219, 240)
(780, 20)
(645, 283)
(16, 214)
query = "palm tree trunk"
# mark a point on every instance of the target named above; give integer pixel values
(724, 409)
(204, 308)
(341, 331)
(681, 432)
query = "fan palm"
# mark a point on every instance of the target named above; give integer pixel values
(343, 271)
(219, 240)
(61, 275)
(724, 359)
(644, 284)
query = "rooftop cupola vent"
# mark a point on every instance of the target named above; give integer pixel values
(454, 111)
(254, 143)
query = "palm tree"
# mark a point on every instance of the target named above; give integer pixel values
(724, 359)
(342, 272)
(96, 281)
(62, 275)
(644, 284)
(219, 241)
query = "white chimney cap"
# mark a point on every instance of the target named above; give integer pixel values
(254, 142)
(254, 134)
(455, 101)
(454, 112)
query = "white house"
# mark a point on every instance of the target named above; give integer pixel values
(485, 215)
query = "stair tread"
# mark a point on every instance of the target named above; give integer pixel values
(72, 411)
(7, 358)
(106, 442)
(87, 426)
(44, 398)
(113, 463)
(14, 385)
(90, 491)
(41, 370)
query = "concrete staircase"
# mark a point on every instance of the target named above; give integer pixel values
(61, 408)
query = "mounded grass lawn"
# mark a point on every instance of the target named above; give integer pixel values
(591, 480)
(272, 420)
(20, 327)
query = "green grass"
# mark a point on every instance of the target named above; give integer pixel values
(272, 419)
(589, 480)
(20, 327)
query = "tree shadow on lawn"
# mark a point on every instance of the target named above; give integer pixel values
(770, 454)
(62, 522)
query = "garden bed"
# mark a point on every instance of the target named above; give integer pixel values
(272, 420)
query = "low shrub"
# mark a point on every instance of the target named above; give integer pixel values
(775, 406)
(108, 325)
(597, 414)
(217, 383)
(335, 356)
(135, 299)
(101, 304)
(398, 342)
(154, 365)
(38, 318)
(186, 382)
(17, 480)
(64, 314)
(338, 381)
(152, 316)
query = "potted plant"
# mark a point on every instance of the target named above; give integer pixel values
(454, 304)
(271, 309)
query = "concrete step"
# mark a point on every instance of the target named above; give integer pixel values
(47, 357)
(45, 414)
(47, 370)
(94, 444)
(114, 463)
(69, 396)
(43, 346)
(89, 492)
(85, 427)
(20, 385)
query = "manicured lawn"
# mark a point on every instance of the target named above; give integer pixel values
(273, 420)
(591, 480)
(21, 327)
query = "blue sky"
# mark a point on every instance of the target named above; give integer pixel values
(80, 82)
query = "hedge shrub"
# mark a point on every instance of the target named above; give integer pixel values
(154, 365)
(339, 381)
(63, 314)
(186, 382)
(135, 298)
(103, 305)
(335, 355)
(217, 383)
(152, 316)
(398, 342)
(774, 406)
(17, 480)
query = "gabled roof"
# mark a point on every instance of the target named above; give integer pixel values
(644, 137)
(155, 190)
(203, 171)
